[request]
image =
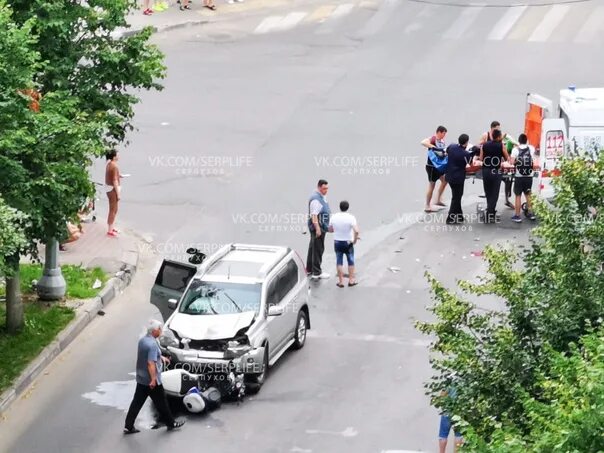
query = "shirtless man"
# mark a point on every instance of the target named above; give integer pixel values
(112, 187)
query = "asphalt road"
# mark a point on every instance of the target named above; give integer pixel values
(287, 108)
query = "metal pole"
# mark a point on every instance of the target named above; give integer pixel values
(52, 285)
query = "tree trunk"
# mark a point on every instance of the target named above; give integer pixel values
(14, 303)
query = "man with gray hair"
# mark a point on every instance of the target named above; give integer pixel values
(148, 380)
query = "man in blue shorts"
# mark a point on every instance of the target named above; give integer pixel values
(443, 434)
(345, 233)
(445, 429)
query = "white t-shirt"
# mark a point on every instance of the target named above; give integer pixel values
(343, 224)
(516, 153)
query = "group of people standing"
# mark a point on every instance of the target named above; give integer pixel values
(344, 227)
(497, 155)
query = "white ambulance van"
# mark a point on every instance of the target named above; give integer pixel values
(575, 127)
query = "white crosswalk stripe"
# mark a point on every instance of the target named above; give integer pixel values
(290, 21)
(342, 10)
(593, 25)
(330, 23)
(535, 24)
(549, 23)
(463, 22)
(380, 18)
(268, 24)
(507, 22)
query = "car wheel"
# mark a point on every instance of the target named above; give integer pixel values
(254, 382)
(301, 329)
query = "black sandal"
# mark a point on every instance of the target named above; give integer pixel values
(353, 283)
(212, 7)
(339, 285)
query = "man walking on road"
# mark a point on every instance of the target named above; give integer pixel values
(345, 235)
(148, 381)
(318, 226)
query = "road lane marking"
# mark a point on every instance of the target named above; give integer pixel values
(341, 10)
(402, 451)
(380, 18)
(549, 23)
(290, 21)
(338, 13)
(321, 13)
(348, 432)
(370, 338)
(507, 21)
(592, 26)
(268, 24)
(463, 22)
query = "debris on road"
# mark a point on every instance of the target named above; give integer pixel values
(394, 269)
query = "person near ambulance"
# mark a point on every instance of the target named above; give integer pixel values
(524, 160)
(509, 145)
(435, 144)
(458, 159)
(493, 155)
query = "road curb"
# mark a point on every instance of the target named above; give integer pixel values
(84, 316)
(163, 28)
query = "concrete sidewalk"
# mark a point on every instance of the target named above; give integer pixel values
(96, 249)
(173, 18)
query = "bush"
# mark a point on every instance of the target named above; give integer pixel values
(515, 370)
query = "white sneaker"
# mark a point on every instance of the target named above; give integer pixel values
(324, 276)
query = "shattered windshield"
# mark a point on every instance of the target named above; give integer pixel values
(220, 298)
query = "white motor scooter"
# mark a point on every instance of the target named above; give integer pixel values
(200, 392)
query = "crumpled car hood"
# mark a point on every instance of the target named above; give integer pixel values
(210, 327)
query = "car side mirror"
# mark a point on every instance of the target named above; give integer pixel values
(172, 304)
(275, 310)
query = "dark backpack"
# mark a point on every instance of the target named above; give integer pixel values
(524, 162)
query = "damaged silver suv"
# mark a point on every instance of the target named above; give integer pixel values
(237, 311)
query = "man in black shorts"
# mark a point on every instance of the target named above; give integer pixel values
(523, 157)
(437, 141)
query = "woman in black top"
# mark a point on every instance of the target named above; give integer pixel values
(492, 155)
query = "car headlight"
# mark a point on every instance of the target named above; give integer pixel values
(168, 338)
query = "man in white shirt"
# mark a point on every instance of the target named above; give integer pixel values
(346, 233)
(524, 159)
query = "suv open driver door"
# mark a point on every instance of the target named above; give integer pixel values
(170, 283)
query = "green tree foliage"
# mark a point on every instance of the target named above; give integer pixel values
(88, 79)
(12, 236)
(521, 382)
(84, 57)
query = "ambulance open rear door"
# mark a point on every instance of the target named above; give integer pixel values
(548, 135)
